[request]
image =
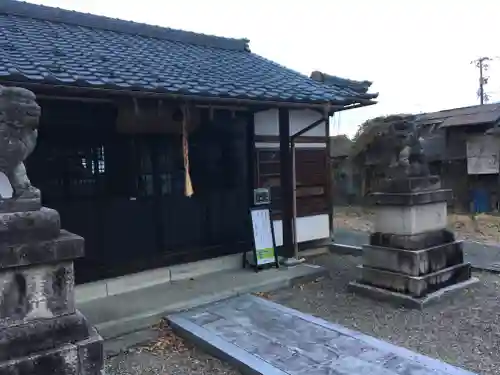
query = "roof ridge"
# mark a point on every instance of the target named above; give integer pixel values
(46, 13)
(478, 106)
(348, 92)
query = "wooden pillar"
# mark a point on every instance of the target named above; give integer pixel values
(286, 182)
(252, 176)
(329, 177)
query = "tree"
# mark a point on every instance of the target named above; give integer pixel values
(372, 131)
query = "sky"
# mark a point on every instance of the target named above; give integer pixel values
(417, 53)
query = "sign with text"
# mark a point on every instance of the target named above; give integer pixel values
(263, 236)
(482, 154)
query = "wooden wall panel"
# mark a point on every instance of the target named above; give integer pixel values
(311, 177)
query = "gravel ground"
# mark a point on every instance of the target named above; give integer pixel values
(464, 331)
(168, 355)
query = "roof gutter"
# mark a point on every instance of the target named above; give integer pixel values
(103, 92)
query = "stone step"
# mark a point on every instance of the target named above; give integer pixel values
(261, 337)
(115, 316)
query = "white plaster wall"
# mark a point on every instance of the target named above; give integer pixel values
(308, 228)
(266, 122)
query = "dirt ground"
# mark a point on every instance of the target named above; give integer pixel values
(482, 228)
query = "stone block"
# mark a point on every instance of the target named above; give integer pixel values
(37, 292)
(410, 220)
(414, 241)
(413, 262)
(410, 199)
(20, 205)
(405, 300)
(79, 358)
(46, 334)
(410, 184)
(67, 246)
(20, 227)
(416, 286)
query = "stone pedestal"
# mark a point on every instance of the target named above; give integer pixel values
(41, 332)
(412, 259)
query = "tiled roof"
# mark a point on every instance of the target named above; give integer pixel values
(41, 44)
(466, 116)
(361, 87)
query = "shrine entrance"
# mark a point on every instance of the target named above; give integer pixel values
(124, 193)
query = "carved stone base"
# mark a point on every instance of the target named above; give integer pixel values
(410, 220)
(20, 205)
(413, 262)
(41, 333)
(414, 241)
(39, 292)
(65, 247)
(405, 300)
(409, 184)
(412, 257)
(45, 334)
(84, 357)
(415, 286)
(28, 226)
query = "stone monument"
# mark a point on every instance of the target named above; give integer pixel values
(412, 259)
(41, 332)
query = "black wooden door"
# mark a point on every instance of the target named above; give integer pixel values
(125, 193)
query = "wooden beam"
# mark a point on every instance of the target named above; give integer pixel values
(286, 183)
(252, 161)
(64, 90)
(307, 128)
(329, 179)
(301, 139)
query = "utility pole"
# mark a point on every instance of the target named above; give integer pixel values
(482, 64)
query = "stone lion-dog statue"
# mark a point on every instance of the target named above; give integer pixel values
(19, 116)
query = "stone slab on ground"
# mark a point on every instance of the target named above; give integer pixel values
(480, 256)
(262, 337)
(121, 314)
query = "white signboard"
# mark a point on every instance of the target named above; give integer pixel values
(482, 154)
(263, 236)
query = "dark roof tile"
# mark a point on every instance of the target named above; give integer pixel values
(465, 116)
(49, 45)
